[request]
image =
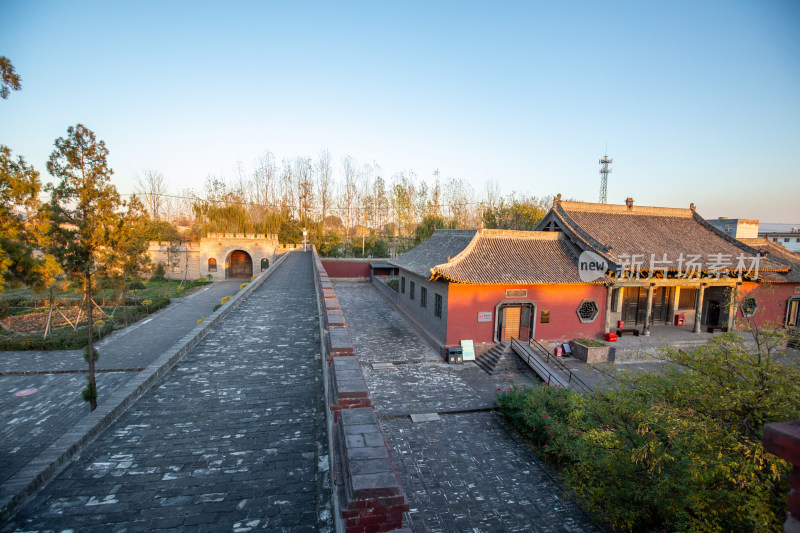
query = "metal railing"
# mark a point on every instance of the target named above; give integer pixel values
(534, 351)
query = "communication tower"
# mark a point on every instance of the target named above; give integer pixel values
(604, 172)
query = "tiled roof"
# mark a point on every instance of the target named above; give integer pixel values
(777, 252)
(437, 249)
(616, 231)
(514, 258)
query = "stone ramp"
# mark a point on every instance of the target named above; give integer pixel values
(233, 437)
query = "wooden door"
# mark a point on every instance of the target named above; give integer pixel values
(511, 323)
(241, 266)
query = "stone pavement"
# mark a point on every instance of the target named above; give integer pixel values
(31, 423)
(232, 438)
(467, 471)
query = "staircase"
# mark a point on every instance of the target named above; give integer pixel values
(501, 360)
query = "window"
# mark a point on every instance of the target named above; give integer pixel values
(786, 239)
(749, 306)
(728, 228)
(264, 264)
(423, 297)
(587, 311)
(437, 305)
(793, 313)
(411, 290)
(402, 285)
(686, 298)
(212, 265)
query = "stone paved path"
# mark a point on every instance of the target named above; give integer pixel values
(232, 438)
(468, 471)
(29, 424)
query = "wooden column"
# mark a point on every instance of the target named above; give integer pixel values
(698, 308)
(732, 308)
(610, 291)
(648, 310)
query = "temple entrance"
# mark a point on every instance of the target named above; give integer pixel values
(239, 265)
(514, 321)
(634, 305)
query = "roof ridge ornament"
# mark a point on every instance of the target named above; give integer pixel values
(692, 206)
(557, 200)
(629, 202)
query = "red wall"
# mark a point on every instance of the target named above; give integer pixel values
(771, 298)
(465, 301)
(347, 269)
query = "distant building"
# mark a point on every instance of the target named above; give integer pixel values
(788, 239)
(738, 228)
(217, 256)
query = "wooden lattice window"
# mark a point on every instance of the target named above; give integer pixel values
(749, 306)
(587, 311)
(212, 265)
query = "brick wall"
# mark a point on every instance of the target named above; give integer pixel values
(367, 488)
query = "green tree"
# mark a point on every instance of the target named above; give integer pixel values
(11, 80)
(427, 226)
(19, 223)
(83, 211)
(515, 214)
(128, 244)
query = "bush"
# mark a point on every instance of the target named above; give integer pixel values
(679, 451)
(224, 300)
(159, 272)
(243, 285)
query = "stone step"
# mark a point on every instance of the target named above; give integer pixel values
(500, 359)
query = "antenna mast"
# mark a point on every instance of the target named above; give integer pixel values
(604, 172)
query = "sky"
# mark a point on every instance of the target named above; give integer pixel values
(697, 102)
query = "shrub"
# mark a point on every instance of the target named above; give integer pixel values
(200, 320)
(159, 272)
(243, 285)
(677, 451)
(224, 300)
(217, 307)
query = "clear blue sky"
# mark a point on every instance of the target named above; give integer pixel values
(698, 101)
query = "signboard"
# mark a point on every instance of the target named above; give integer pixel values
(484, 316)
(516, 293)
(468, 349)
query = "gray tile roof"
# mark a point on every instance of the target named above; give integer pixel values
(504, 257)
(616, 231)
(777, 252)
(437, 249)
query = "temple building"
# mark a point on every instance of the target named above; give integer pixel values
(589, 269)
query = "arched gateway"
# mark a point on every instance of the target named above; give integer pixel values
(239, 264)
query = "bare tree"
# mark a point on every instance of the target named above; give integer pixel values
(349, 195)
(305, 188)
(151, 186)
(324, 183)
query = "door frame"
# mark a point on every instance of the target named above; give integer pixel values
(513, 303)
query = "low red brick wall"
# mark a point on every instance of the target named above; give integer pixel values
(347, 268)
(368, 489)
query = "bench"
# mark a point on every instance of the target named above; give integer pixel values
(712, 329)
(622, 331)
